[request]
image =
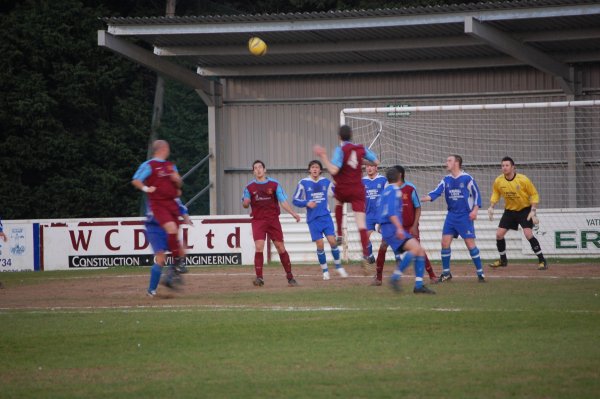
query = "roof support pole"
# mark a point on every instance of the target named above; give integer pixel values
(157, 64)
(503, 42)
(213, 178)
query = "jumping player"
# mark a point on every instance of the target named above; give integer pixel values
(265, 195)
(520, 203)
(392, 230)
(463, 200)
(312, 193)
(346, 169)
(411, 215)
(157, 237)
(160, 180)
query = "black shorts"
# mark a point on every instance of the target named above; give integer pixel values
(512, 219)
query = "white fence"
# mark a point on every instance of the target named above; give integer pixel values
(560, 235)
(227, 240)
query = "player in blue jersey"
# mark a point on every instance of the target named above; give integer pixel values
(313, 193)
(411, 216)
(3, 236)
(464, 200)
(157, 236)
(394, 234)
(374, 184)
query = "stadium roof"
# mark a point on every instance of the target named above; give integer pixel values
(550, 35)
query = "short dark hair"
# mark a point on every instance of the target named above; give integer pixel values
(509, 159)
(458, 159)
(315, 162)
(392, 174)
(345, 133)
(400, 169)
(260, 162)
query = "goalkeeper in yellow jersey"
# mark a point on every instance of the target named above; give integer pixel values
(520, 203)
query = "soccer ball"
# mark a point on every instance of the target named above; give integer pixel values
(257, 46)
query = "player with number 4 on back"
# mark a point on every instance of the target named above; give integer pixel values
(520, 203)
(346, 169)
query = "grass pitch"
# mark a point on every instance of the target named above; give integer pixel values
(526, 338)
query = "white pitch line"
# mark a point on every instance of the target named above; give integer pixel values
(245, 308)
(238, 274)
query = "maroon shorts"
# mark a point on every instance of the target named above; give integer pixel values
(165, 211)
(262, 227)
(353, 195)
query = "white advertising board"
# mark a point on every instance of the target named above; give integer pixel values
(568, 233)
(19, 251)
(122, 242)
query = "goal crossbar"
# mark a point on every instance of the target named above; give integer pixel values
(466, 107)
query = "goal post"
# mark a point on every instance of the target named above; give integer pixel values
(556, 144)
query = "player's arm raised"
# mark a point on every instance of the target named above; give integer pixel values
(321, 152)
(370, 158)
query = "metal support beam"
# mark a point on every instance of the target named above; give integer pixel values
(195, 197)
(157, 64)
(369, 67)
(374, 45)
(324, 47)
(372, 67)
(503, 42)
(559, 35)
(213, 178)
(195, 167)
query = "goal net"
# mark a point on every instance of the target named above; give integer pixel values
(556, 144)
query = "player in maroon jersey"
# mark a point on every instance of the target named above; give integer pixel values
(411, 214)
(346, 168)
(160, 180)
(264, 195)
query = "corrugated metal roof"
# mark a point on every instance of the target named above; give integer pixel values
(364, 41)
(437, 9)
